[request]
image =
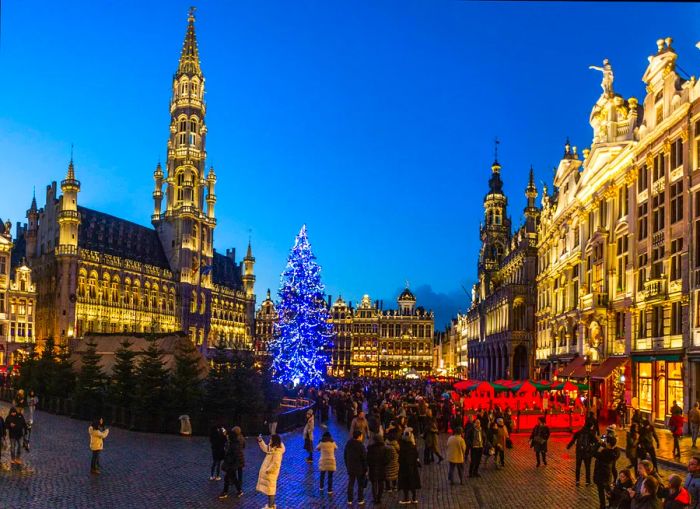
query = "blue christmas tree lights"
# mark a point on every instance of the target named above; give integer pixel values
(302, 334)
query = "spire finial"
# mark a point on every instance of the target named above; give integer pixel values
(71, 170)
(496, 142)
(407, 285)
(71, 152)
(189, 58)
(190, 14)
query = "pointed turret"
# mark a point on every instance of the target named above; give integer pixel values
(157, 194)
(248, 275)
(211, 195)
(32, 228)
(189, 59)
(531, 210)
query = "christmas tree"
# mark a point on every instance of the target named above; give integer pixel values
(302, 333)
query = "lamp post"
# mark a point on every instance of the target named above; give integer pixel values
(589, 368)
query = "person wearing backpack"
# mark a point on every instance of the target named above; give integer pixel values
(585, 442)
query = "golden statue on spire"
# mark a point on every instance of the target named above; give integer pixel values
(190, 15)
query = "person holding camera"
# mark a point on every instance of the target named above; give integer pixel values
(605, 459)
(270, 468)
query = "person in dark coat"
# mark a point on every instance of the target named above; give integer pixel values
(217, 440)
(647, 438)
(234, 461)
(478, 442)
(647, 498)
(355, 456)
(16, 427)
(409, 475)
(538, 440)
(605, 458)
(378, 458)
(619, 495)
(585, 442)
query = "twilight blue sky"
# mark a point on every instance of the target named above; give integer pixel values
(372, 121)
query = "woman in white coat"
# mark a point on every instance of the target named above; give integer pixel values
(326, 464)
(270, 468)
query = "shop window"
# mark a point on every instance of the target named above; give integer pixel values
(644, 386)
(675, 383)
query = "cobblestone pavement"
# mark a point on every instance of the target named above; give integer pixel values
(160, 471)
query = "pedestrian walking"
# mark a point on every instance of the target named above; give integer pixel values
(326, 463)
(16, 427)
(378, 458)
(586, 444)
(360, 423)
(217, 440)
(19, 401)
(234, 461)
(98, 433)
(632, 446)
(675, 424)
(694, 422)
(430, 437)
(500, 438)
(391, 474)
(308, 434)
(355, 457)
(2, 435)
(478, 442)
(270, 468)
(32, 401)
(605, 458)
(538, 441)
(647, 438)
(409, 474)
(456, 450)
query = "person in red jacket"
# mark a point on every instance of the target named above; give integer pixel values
(678, 497)
(675, 424)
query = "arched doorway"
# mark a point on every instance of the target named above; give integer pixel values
(520, 363)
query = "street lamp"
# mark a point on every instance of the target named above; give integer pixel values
(589, 368)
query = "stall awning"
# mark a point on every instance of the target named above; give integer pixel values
(574, 369)
(608, 366)
(675, 357)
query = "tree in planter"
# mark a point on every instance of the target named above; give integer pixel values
(123, 388)
(186, 380)
(90, 387)
(151, 381)
(246, 385)
(219, 398)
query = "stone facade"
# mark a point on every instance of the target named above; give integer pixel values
(98, 273)
(498, 328)
(17, 299)
(371, 341)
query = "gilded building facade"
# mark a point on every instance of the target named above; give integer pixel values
(17, 298)
(619, 245)
(98, 273)
(371, 341)
(265, 318)
(498, 329)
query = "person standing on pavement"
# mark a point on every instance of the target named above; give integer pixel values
(694, 422)
(430, 436)
(2, 435)
(692, 482)
(538, 441)
(19, 401)
(270, 468)
(16, 427)
(478, 442)
(355, 456)
(234, 461)
(675, 424)
(676, 409)
(456, 450)
(309, 435)
(97, 433)
(360, 423)
(647, 437)
(585, 446)
(391, 475)
(272, 421)
(378, 458)
(409, 474)
(499, 442)
(217, 440)
(605, 458)
(632, 446)
(326, 463)
(32, 401)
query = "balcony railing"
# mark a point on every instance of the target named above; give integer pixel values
(654, 288)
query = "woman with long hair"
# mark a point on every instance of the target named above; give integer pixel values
(270, 468)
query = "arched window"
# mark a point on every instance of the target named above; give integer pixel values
(180, 182)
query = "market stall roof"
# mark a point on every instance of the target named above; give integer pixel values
(465, 385)
(575, 369)
(608, 366)
(566, 386)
